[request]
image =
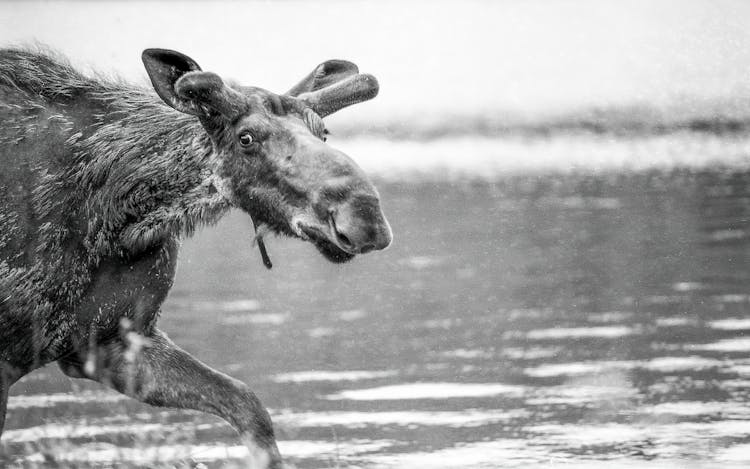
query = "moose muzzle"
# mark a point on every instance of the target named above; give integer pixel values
(358, 225)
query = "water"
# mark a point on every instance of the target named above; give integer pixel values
(558, 294)
(547, 320)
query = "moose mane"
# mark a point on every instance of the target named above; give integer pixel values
(44, 73)
(133, 178)
(108, 176)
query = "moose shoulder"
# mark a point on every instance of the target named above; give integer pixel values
(101, 179)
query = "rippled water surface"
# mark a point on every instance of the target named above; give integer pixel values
(547, 321)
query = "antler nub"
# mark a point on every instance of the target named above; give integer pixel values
(332, 86)
(352, 90)
(325, 74)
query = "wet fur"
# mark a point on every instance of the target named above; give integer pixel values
(96, 175)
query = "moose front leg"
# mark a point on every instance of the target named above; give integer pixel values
(161, 374)
(8, 375)
(4, 388)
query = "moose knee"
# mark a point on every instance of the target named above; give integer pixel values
(247, 415)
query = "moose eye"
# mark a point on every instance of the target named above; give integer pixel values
(246, 138)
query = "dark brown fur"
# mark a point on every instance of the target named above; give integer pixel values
(93, 171)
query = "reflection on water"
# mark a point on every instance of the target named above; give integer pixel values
(522, 322)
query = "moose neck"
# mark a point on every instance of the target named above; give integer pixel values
(152, 182)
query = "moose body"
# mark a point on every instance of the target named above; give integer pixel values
(101, 179)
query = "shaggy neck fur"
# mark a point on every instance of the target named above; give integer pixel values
(151, 185)
(95, 170)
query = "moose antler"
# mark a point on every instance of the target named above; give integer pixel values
(334, 85)
(325, 74)
(335, 97)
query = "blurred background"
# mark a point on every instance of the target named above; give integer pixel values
(567, 182)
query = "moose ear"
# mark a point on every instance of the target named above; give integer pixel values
(164, 68)
(179, 81)
(325, 74)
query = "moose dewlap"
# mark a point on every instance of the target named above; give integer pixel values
(100, 180)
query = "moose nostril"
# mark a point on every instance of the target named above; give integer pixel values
(344, 240)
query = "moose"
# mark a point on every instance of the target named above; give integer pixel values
(101, 180)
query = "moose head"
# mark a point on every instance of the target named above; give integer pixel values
(270, 157)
